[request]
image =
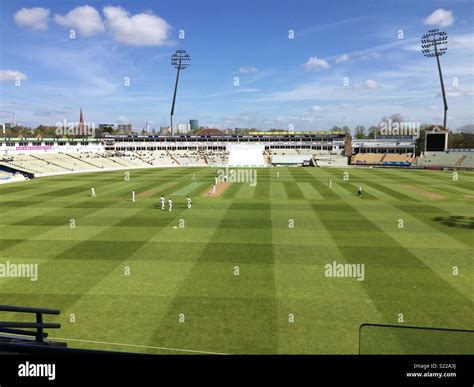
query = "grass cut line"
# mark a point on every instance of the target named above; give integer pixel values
(138, 346)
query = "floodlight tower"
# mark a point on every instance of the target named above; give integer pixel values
(180, 60)
(434, 44)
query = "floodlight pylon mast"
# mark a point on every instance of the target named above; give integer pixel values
(180, 60)
(445, 102)
(174, 100)
(434, 43)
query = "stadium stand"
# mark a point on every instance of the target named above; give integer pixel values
(320, 158)
(384, 151)
(289, 156)
(382, 159)
(449, 159)
(367, 158)
(45, 157)
(330, 161)
(392, 158)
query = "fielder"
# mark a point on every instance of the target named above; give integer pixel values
(93, 192)
(134, 196)
(213, 189)
(189, 201)
(330, 183)
(162, 201)
(170, 204)
(359, 192)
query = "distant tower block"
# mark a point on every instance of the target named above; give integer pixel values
(194, 124)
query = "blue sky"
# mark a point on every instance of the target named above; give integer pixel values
(281, 81)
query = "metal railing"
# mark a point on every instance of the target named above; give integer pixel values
(20, 331)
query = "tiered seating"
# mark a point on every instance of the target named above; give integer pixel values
(367, 158)
(129, 160)
(34, 164)
(290, 156)
(301, 156)
(184, 157)
(219, 157)
(396, 158)
(188, 158)
(449, 159)
(331, 161)
(95, 160)
(382, 158)
(468, 162)
(66, 161)
(162, 159)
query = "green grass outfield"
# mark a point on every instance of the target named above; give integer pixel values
(189, 270)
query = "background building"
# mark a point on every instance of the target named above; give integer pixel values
(194, 124)
(124, 128)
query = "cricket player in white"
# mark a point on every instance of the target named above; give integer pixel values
(93, 192)
(189, 201)
(215, 180)
(213, 189)
(330, 183)
(162, 201)
(359, 193)
(134, 195)
(170, 204)
(194, 177)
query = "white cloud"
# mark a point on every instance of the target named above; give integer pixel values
(460, 43)
(317, 108)
(315, 63)
(91, 70)
(349, 106)
(370, 84)
(343, 58)
(440, 18)
(456, 92)
(34, 18)
(49, 112)
(370, 55)
(12, 75)
(247, 70)
(247, 90)
(144, 29)
(85, 19)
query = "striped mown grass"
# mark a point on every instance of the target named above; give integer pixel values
(243, 272)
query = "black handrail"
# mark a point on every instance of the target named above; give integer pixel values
(27, 309)
(15, 324)
(20, 332)
(39, 325)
